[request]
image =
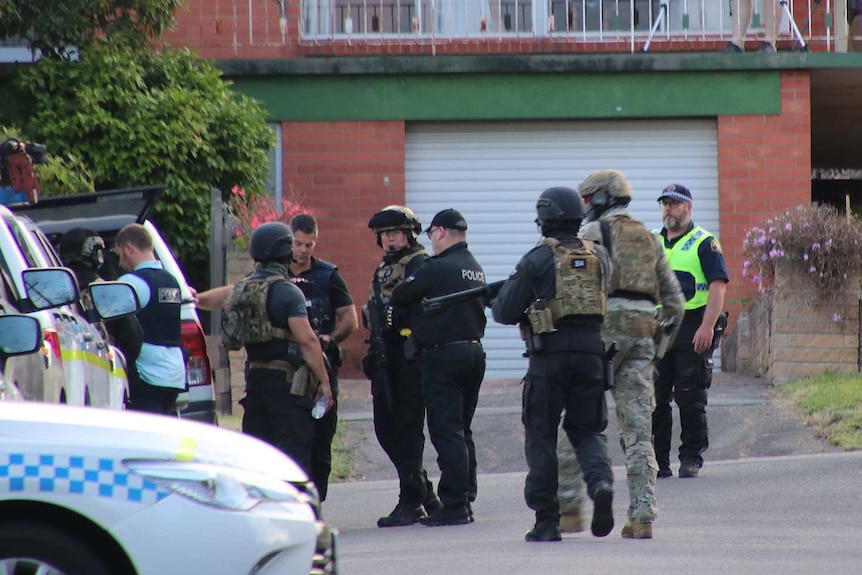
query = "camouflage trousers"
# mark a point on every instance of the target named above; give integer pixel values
(634, 396)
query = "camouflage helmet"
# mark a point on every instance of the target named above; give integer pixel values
(395, 218)
(272, 241)
(611, 182)
(559, 204)
(603, 189)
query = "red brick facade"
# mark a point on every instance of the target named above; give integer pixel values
(221, 30)
(764, 166)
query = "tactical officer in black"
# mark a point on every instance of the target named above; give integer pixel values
(84, 252)
(333, 318)
(562, 283)
(451, 360)
(399, 414)
(276, 410)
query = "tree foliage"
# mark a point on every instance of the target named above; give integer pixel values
(54, 26)
(137, 117)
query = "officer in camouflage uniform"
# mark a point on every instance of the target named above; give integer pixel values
(266, 314)
(641, 280)
(399, 413)
(563, 284)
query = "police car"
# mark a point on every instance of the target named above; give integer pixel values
(107, 212)
(75, 365)
(125, 493)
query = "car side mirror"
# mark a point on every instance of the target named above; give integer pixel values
(47, 288)
(113, 300)
(19, 334)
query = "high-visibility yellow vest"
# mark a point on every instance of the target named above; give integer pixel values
(684, 261)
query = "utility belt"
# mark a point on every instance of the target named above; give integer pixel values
(303, 382)
(450, 343)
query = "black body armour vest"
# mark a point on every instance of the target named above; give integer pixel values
(160, 318)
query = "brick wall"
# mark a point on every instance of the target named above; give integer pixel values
(764, 167)
(787, 335)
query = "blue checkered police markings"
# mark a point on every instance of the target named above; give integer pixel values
(69, 474)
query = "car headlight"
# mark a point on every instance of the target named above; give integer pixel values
(216, 485)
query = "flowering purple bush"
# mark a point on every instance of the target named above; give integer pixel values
(816, 241)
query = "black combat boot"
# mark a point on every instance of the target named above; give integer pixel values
(603, 516)
(447, 516)
(402, 516)
(432, 503)
(543, 531)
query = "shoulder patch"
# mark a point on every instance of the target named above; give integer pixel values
(715, 246)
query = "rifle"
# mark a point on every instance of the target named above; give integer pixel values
(376, 319)
(488, 291)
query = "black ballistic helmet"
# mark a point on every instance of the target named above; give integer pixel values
(272, 241)
(559, 204)
(395, 218)
(82, 246)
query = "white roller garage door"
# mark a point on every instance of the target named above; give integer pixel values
(493, 173)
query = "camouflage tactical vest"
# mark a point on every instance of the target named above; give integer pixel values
(389, 276)
(579, 286)
(634, 255)
(245, 320)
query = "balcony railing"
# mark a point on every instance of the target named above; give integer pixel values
(578, 20)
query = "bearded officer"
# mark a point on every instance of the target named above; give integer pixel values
(685, 372)
(451, 360)
(399, 413)
(278, 402)
(563, 284)
(641, 280)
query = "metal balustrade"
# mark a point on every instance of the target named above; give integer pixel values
(578, 20)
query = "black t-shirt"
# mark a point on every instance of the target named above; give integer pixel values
(455, 269)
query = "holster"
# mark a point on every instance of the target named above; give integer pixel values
(532, 340)
(304, 383)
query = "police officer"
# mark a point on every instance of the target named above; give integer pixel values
(278, 401)
(641, 279)
(399, 414)
(563, 284)
(161, 367)
(333, 317)
(451, 360)
(685, 372)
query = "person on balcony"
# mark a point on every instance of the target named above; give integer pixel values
(741, 16)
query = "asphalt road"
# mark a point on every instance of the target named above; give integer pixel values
(771, 499)
(745, 420)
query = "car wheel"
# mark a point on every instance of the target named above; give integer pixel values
(27, 548)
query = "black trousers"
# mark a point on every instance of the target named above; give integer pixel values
(574, 381)
(278, 417)
(321, 448)
(151, 398)
(401, 431)
(684, 376)
(451, 377)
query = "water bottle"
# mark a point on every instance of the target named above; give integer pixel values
(319, 408)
